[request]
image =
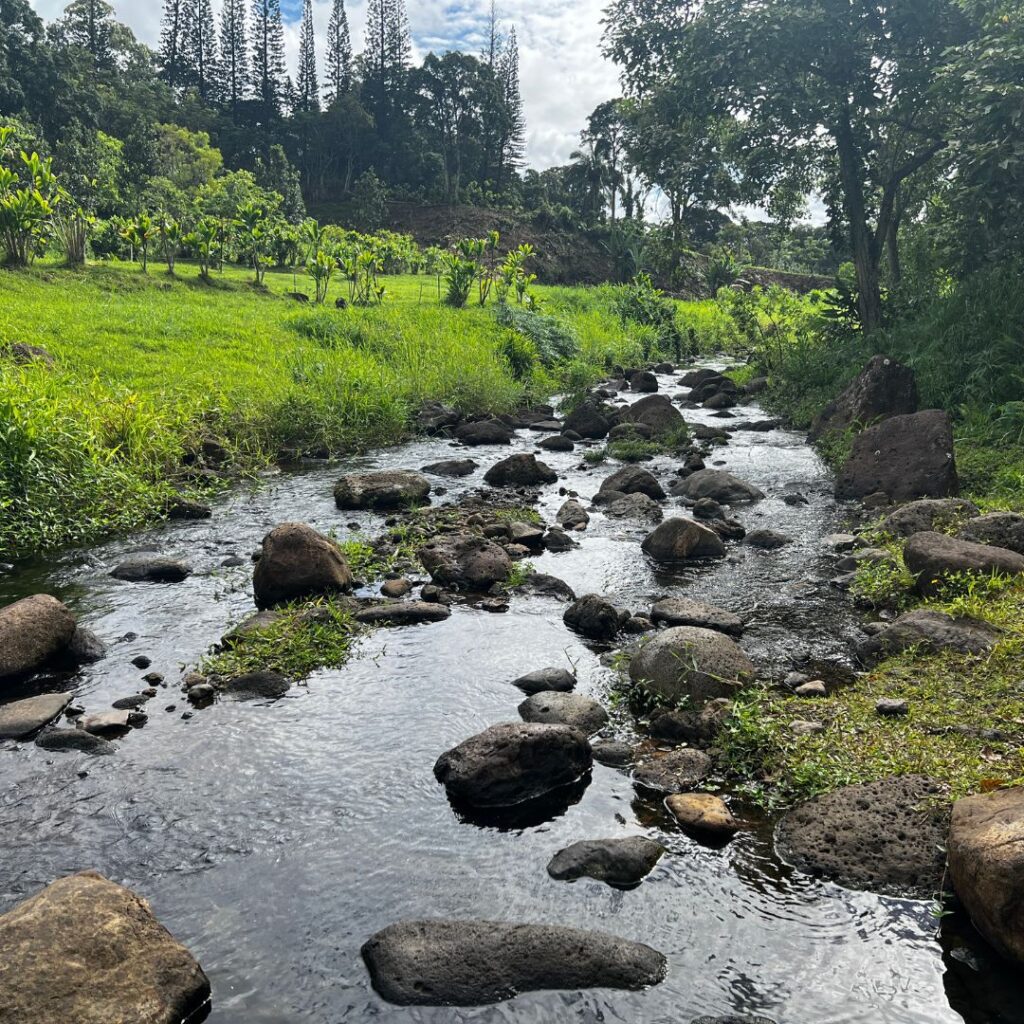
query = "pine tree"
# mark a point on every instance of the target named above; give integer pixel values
(202, 47)
(339, 53)
(308, 87)
(386, 55)
(234, 53)
(88, 24)
(268, 65)
(173, 43)
(511, 151)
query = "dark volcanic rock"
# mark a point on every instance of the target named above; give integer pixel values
(559, 708)
(718, 485)
(87, 951)
(905, 457)
(546, 680)
(298, 562)
(593, 617)
(521, 470)
(464, 560)
(387, 489)
(656, 412)
(644, 382)
(684, 611)
(633, 480)
(512, 763)
(932, 557)
(452, 467)
(557, 443)
(543, 585)
(473, 963)
(265, 685)
(634, 506)
(1001, 529)
(767, 540)
(32, 631)
(678, 539)
(886, 836)
(152, 569)
(613, 753)
(930, 631)
(484, 432)
(926, 515)
(403, 613)
(619, 862)
(884, 388)
(77, 740)
(674, 772)
(589, 421)
(86, 647)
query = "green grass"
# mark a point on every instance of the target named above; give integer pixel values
(151, 367)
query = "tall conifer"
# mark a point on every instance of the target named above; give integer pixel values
(339, 53)
(234, 72)
(308, 86)
(268, 66)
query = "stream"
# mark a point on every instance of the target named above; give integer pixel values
(274, 838)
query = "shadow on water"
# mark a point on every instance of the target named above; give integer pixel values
(273, 838)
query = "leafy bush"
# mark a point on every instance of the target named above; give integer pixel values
(553, 341)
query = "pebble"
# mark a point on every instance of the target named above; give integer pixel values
(814, 688)
(141, 661)
(890, 707)
(801, 727)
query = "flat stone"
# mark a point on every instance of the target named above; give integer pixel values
(475, 963)
(76, 740)
(404, 613)
(87, 951)
(805, 727)
(674, 772)
(613, 753)
(890, 707)
(23, 717)
(932, 557)
(623, 863)
(152, 569)
(703, 813)
(110, 722)
(930, 631)
(452, 467)
(543, 680)
(257, 685)
(684, 611)
(571, 709)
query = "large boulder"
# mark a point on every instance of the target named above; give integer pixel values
(387, 489)
(678, 539)
(633, 480)
(885, 836)
(87, 951)
(512, 763)
(884, 388)
(32, 631)
(906, 457)
(572, 515)
(474, 963)
(521, 470)
(933, 557)
(484, 432)
(1001, 529)
(685, 611)
(21, 718)
(634, 506)
(465, 560)
(558, 708)
(718, 485)
(620, 862)
(929, 632)
(643, 381)
(687, 662)
(594, 617)
(986, 863)
(656, 412)
(589, 421)
(298, 562)
(928, 514)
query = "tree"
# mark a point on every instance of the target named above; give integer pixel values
(89, 24)
(833, 93)
(201, 47)
(385, 58)
(268, 67)
(24, 56)
(308, 90)
(174, 32)
(339, 53)
(511, 141)
(234, 54)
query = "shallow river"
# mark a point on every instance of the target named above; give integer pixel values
(273, 839)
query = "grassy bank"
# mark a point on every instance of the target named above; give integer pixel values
(154, 373)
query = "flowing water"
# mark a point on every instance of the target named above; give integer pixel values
(274, 838)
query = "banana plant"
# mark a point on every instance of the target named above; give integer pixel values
(170, 240)
(322, 269)
(202, 240)
(255, 237)
(138, 233)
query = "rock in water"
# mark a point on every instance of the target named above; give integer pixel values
(466, 561)
(257, 685)
(298, 562)
(619, 862)
(77, 740)
(594, 617)
(674, 772)
(678, 539)
(703, 813)
(589, 420)
(24, 717)
(633, 480)
(521, 470)
(884, 388)
(403, 613)
(732, 1020)
(885, 836)
(152, 569)
(484, 432)
(905, 457)
(475, 963)
(656, 412)
(546, 679)
(452, 467)
(684, 611)
(719, 486)
(87, 951)
(689, 662)
(514, 762)
(932, 557)
(572, 709)
(32, 631)
(387, 489)
(986, 862)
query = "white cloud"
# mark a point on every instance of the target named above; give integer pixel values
(563, 74)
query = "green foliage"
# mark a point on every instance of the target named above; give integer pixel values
(552, 341)
(643, 304)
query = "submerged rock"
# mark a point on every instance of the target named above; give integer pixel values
(633, 480)
(512, 763)
(674, 772)
(76, 740)
(297, 561)
(452, 467)
(571, 709)
(23, 717)
(386, 489)
(619, 862)
(986, 863)
(474, 963)
(593, 617)
(87, 951)
(258, 685)
(686, 662)
(684, 611)
(613, 753)
(32, 631)
(885, 836)
(152, 569)
(404, 613)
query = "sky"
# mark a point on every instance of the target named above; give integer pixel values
(562, 72)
